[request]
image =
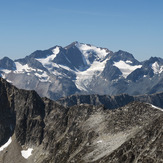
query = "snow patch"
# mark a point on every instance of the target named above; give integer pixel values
(100, 141)
(23, 68)
(83, 78)
(125, 68)
(157, 69)
(156, 107)
(43, 77)
(6, 144)
(87, 49)
(9, 81)
(27, 153)
(47, 61)
(128, 61)
(5, 71)
(48, 64)
(3, 76)
(56, 50)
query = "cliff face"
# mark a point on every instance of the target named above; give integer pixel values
(7, 114)
(22, 112)
(81, 133)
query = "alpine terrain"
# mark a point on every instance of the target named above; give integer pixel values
(39, 130)
(83, 69)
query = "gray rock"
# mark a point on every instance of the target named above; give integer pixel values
(81, 133)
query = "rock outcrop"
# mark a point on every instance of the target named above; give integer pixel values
(81, 133)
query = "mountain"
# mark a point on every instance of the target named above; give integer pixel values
(35, 129)
(111, 102)
(83, 69)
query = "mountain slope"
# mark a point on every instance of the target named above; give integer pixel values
(42, 131)
(111, 102)
(83, 69)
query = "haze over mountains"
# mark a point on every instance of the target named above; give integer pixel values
(83, 69)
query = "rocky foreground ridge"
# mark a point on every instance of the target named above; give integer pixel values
(81, 133)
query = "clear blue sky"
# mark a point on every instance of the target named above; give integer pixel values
(135, 26)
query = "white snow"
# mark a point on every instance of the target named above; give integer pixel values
(48, 64)
(64, 67)
(85, 77)
(128, 61)
(156, 107)
(3, 76)
(22, 68)
(5, 71)
(86, 49)
(9, 81)
(157, 68)
(125, 68)
(47, 61)
(43, 77)
(6, 144)
(100, 141)
(56, 50)
(27, 153)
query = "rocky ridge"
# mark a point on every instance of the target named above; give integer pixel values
(111, 102)
(81, 133)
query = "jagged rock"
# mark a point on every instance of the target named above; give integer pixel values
(23, 112)
(81, 133)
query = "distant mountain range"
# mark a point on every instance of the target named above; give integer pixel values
(83, 69)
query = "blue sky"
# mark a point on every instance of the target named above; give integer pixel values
(135, 26)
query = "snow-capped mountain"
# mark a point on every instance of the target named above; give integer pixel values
(83, 69)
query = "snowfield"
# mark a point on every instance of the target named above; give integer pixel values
(125, 68)
(86, 50)
(47, 62)
(83, 78)
(23, 68)
(157, 69)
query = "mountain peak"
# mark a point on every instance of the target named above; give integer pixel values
(72, 44)
(7, 63)
(125, 56)
(83, 68)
